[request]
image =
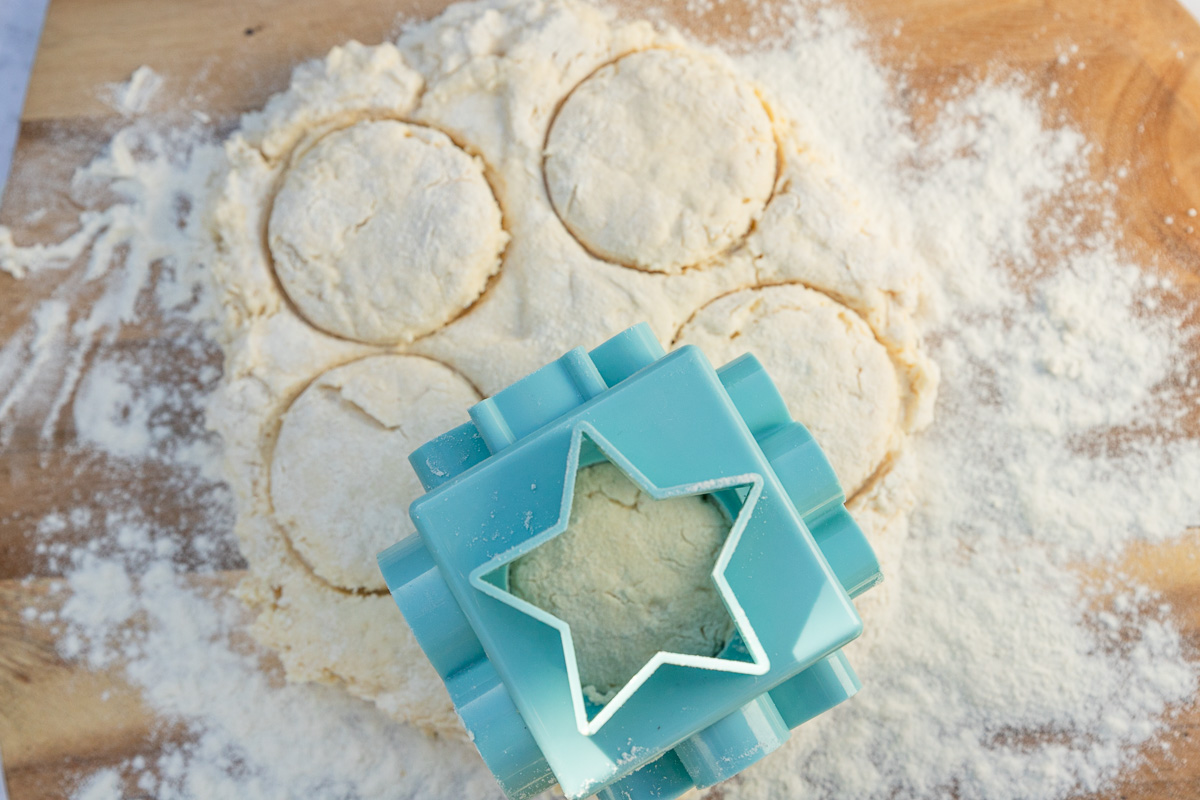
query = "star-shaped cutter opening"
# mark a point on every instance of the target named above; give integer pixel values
(490, 577)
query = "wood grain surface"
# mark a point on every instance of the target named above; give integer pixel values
(1136, 95)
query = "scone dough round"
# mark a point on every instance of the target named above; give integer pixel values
(359, 642)
(631, 575)
(660, 160)
(340, 479)
(385, 231)
(834, 375)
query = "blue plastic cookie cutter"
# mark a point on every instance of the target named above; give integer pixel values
(501, 484)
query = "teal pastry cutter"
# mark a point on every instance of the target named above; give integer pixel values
(502, 484)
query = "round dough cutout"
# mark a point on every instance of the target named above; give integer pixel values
(384, 232)
(341, 483)
(631, 575)
(834, 375)
(660, 160)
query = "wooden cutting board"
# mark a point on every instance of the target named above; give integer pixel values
(1131, 83)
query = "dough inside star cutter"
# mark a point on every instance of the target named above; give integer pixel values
(638, 586)
(631, 576)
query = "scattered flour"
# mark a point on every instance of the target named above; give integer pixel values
(1002, 668)
(111, 414)
(250, 734)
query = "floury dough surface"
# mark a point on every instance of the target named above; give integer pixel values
(490, 78)
(340, 479)
(385, 231)
(614, 179)
(631, 576)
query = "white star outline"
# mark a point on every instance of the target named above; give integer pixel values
(759, 663)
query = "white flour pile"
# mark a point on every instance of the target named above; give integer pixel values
(993, 665)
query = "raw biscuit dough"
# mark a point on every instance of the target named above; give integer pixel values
(384, 231)
(835, 377)
(660, 160)
(491, 76)
(632, 576)
(341, 483)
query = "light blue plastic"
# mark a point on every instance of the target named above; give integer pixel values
(502, 484)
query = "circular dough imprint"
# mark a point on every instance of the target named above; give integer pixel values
(341, 483)
(632, 576)
(359, 642)
(834, 375)
(384, 231)
(660, 160)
